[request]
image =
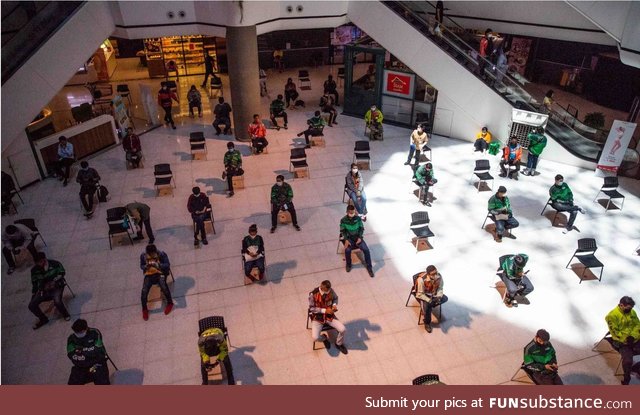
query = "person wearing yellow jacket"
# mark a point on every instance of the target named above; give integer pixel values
(213, 345)
(373, 119)
(624, 327)
(483, 139)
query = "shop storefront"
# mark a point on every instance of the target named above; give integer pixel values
(182, 55)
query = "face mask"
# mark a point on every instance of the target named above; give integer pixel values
(196, 193)
(81, 335)
(253, 234)
(559, 183)
(85, 168)
(324, 292)
(230, 149)
(280, 183)
(354, 171)
(351, 215)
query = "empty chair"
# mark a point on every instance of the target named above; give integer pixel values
(585, 254)
(31, 224)
(361, 153)
(550, 203)
(304, 82)
(216, 87)
(163, 177)
(298, 163)
(610, 189)
(426, 380)
(118, 223)
(198, 144)
(420, 227)
(481, 171)
(213, 322)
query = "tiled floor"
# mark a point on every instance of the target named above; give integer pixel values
(479, 341)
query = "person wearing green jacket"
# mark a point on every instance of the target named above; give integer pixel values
(315, 127)
(47, 283)
(281, 199)
(232, 166)
(212, 344)
(351, 231)
(515, 279)
(276, 110)
(624, 327)
(537, 143)
(499, 208)
(540, 360)
(562, 201)
(86, 351)
(425, 178)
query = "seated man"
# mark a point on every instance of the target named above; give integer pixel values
(47, 283)
(14, 237)
(326, 105)
(499, 207)
(132, 147)
(253, 252)
(8, 186)
(66, 157)
(232, 165)
(511, 156)
(323, 304)
(331, 88)
(429, 286)
(155, 267)
(355, 189)
(282, 199)
(418, 139)
(222, 112)
(197, 205)
(373, 119)
(351, 231)
(276, 110)
(212, 344)
(195, 101)
(540, 360)
(88, 178)
(426, 179)
(515, 279)
(624, 327)
(258, 134)
(314, 129)
(88, 355)
(562, 201)
(483, 139)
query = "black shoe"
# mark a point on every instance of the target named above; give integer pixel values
(297, 227)
(10, 271)
(502, 175)
(65, 182)
(342, 348)
(511, 236)
(370, 271)
(285, 127)
(498, 238)
(40, 323)
(428, 328)
(205, 242)
(273, 229)
(173, 126)
(151, 241)
(299, 134)
(327, 343)
(348, 268)
(407, 163)
(307, 146)
(196, 242)
(230, 194)
(138, 238)
(217, 132)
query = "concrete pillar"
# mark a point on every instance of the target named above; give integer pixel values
(242, 47)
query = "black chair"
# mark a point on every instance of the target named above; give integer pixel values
(550, 204)
(117, 223)
(163, 177)
(481, 171)
(413, 293)
(527, 371)
(303, 79)
(325, 327)
(107, 357)
(124, 92)
(198, 143)
(420, 227)
(31, 224)
(585, 254)
(216, 87)
(609, 340)
(500, 274)
(213, 322)
(209, 218)
(493, 218)
(610, 189)
(425, 379)
(361, 153)
(345, 194)
(298, 161)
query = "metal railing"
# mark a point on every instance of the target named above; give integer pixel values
(577, 143)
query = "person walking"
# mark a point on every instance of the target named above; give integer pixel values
(165, 98)
(209, 68)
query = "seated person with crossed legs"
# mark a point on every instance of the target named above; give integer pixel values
(624, 327)
(15, 237)
(88, 355)
(425, 178)
(515, 279)
(315, 123)
(540, 360)
(253, 252)
(276, 109)
(323, 303)
(212, 344)
(429, 286)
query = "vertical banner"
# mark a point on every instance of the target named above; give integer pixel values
(149, 104)
(616, 145)
(120, 114)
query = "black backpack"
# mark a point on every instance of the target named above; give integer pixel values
(102, 193)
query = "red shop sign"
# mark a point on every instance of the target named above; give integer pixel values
(398, 84)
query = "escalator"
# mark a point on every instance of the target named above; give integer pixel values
(480, 96)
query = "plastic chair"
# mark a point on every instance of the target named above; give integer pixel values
(213, 322)
(325, 327)
(198, 144)
(361, 153)
(609, 188)
(420, 227)
(116, 222)
(421, 380)
(163, 177)
(304, 81)
(585, 254)
(298, 161)
(481, 171)
(550, 204)
(31, 224)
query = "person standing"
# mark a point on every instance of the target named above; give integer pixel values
(195, 101)
(197, 205)
(323, 304)
(258, 133)
(562, 200)
(66, 157)
(222, 112)
(425, 178)
(253, 253)
(511, 156)
(499, 207)
(132, 148)
(547, 102)
(155, 267)
(485, 50)
(355, 190)
(141, 214)
(165, 98)
(624, 327)
(429, 293)
(501, 65)
(209, 68)
(276, 109)
(88, 178)
(418, 139)
(540, 360)
(86, 351)
(47, 284)
(212, 344)
(537, 143)
(282, 199)
(440, 12)
(351, 232)
(15, 237)
(515, 279)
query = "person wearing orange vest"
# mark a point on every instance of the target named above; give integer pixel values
(258, 133)
(429, 293)
(511, 156)
(323, 304)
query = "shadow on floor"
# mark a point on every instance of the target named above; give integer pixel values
(275, 271)
(128, 377)
(245, 368)
(357, 334)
